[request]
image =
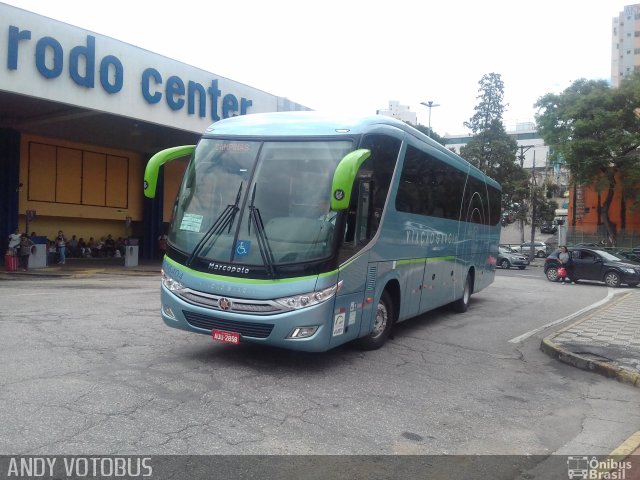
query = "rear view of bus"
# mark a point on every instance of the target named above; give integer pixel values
(285, 232)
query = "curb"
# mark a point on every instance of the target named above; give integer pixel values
(548, 346)
(556, 351)
(628, 447)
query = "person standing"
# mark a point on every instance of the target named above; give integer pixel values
(162, 244)
(61, 245)
(25, 251)
(566, 262)
(14, 241)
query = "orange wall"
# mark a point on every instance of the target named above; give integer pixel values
(586, 208)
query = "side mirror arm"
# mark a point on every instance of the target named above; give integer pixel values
(344, 176)
(152, 169)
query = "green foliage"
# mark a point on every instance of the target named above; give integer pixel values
(490, 107)
(491, 149)
(425, 130)
(595, 130)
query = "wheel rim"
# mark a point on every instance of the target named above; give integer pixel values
(612, 279)
(504, 264)
(552, 274)
(382, 317)
(467, 292)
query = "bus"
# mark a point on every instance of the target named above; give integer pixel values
(304, 231)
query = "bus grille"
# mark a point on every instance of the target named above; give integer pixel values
(256, 307)
(246, 329)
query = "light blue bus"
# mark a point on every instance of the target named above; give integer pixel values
(304, 231)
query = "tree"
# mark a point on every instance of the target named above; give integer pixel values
(425, 130)
(491, 149)
(596, 130)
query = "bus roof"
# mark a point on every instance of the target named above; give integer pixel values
(313, 123)
(302, 123)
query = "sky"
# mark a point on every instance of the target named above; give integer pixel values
(354, 56)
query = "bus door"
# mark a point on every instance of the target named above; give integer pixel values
(412, 271)
(358, 232)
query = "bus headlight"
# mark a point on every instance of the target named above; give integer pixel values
(170, 283)
(309, 299)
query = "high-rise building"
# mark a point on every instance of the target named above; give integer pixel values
(625, 43)
(401, 112)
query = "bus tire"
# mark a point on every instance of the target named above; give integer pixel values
(383, 323)
(462, 304)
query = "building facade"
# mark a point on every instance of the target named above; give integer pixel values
(80, 115)
(401, 112)
(533, 156)
(625, 44)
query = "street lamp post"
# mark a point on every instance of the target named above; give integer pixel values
(429, 104)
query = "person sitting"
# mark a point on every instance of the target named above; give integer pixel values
(83, 248)
(120, 248)
(72, 246)
(109, 246)
(53, 252)
(94, 247)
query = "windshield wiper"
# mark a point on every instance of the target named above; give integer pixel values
(224, 220)
(261, 235)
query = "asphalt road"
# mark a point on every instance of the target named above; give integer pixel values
(87, 366)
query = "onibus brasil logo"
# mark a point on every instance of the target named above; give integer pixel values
(585, 468)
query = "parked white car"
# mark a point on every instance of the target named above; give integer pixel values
(541, 249)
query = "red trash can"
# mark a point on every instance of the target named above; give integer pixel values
(11, 262)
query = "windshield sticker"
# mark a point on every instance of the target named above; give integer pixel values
(191, 222)
(242, 248)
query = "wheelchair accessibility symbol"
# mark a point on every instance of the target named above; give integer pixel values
(242, 248)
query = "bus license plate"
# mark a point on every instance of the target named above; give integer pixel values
(226, 337)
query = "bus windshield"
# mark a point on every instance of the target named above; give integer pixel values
(253, 202)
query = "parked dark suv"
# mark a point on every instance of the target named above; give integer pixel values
(596, 264)
(548, 228)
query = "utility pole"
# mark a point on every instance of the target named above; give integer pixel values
(430, 105)
(523, 150)
(534, 205)
(520, 156)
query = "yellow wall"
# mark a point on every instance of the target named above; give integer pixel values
(173, 173)
(81, 189)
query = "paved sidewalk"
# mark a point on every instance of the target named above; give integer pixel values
(84, 267)
(606, 341)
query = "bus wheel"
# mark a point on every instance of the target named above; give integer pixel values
(382, 325)
(461, 305)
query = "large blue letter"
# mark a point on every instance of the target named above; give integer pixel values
(175, 92)
(229, 105)
(89, 54)
(15, 35)
(146, 93)
(118, 74)
(215, 95)
(202, 97)
(41, 64)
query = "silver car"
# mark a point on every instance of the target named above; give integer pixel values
(508, 257)
(540, 249)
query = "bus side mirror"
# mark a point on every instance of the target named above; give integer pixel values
(153, 166)
(344, 177)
